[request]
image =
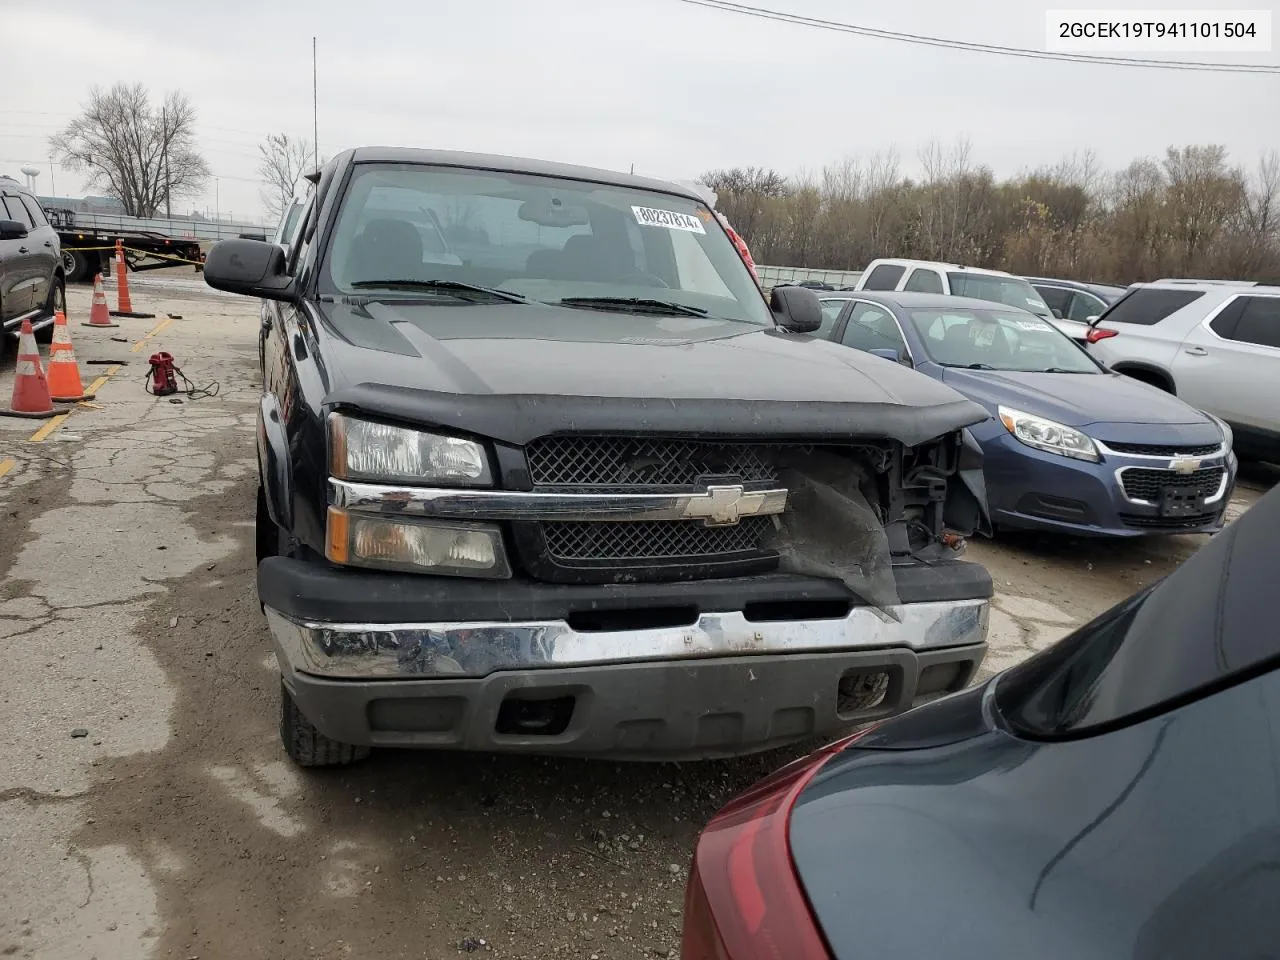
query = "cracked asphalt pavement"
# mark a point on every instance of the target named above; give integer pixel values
(146, 807)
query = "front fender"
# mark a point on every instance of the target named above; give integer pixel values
(273, 463)
(966, 510)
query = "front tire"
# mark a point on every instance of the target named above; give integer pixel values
(307, 746)
(57, 301)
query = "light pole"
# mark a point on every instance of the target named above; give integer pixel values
(216, 202)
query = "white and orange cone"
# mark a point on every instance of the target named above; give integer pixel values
(125, 304)
(99, 315)
(30, 389)
(65, 385)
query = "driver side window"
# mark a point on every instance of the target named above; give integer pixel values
(872, 328)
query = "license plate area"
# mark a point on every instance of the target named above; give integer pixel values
(1176, 502)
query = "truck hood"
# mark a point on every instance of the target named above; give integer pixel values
(514, 372)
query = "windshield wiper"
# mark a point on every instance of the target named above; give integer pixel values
(634, 304)
(445, 285)
(1063, 370)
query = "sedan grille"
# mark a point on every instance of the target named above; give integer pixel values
(639, 542)
(1144, 484)
(628, 463)
(1164, 449)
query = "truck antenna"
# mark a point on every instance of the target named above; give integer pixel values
(315, 109)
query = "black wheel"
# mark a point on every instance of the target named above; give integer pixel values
(307, 746)
(57, 301)
(76, 266)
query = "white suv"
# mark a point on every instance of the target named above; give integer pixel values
(1216, 344)
(928, 276)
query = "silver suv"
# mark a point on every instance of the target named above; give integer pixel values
(1216, 344)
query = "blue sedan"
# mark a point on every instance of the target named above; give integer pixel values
(1070, 447)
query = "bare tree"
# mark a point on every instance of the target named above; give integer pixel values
(139, 154)
(284, 160)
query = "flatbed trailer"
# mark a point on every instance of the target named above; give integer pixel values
(89, 243)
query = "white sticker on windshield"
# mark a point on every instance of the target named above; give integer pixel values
(1034, 303)
(672, 220)
(1028, 323)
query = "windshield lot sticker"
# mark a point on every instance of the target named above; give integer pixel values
(1028, 324)
(653, 217)
(984, 336)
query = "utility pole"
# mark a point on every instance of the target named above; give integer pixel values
(164, 133)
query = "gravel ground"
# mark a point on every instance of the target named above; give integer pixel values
(143, 794)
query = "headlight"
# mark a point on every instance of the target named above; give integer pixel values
(439, 547)
(1228, 438)
(1047, 435)
(360, 450)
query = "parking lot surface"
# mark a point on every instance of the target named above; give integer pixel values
(146, 807)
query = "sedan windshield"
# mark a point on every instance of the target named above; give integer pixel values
(1011, 291)
(440, 234)
(998, 340)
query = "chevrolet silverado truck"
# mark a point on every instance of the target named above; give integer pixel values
(574, 486)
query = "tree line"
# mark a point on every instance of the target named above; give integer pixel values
(145, 154)
(1191, 213)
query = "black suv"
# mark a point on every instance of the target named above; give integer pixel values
(570, 484)
(31, 280)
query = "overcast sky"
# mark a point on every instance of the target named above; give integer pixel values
(674, 89)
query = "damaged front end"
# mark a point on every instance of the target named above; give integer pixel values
(854, 512)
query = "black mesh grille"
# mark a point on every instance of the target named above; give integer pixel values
(625, 463)
(1143, 484)
(1164, 450)
(658, 540)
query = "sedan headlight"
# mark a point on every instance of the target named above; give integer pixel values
(1228, 438)
(360, 450)
(1048, 436)
(418, 546)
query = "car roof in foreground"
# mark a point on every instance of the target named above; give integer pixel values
(1205, 628)
(505, 164)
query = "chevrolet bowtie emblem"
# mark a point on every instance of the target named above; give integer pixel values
(726, 505)
(1184, 464)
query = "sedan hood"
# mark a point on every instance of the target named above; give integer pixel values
(1083, 400)
(516, 371)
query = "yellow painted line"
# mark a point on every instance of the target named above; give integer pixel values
(6, 465)
(113, 370)
(154, 330)
(54, 423)
(98, 384)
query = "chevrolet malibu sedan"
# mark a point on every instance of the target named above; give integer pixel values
(1113, 797)
(1069, 446)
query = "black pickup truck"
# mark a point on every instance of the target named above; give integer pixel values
(541, 469)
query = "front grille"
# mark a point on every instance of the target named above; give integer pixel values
(1164, 449)
(1165, 523)
(628, 463)
(663, 541)
(1144, 484)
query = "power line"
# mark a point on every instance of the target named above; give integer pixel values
(1192, 65)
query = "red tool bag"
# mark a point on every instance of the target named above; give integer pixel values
(164, 380)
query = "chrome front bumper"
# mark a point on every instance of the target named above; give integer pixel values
(363, 651)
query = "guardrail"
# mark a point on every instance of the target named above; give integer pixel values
(771, 276)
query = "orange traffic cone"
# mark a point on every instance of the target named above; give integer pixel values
(65, 384)
(122, 280)
(125, 305)
(30, 389)
(99, 315)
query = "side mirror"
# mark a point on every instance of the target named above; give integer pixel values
(887, 352)
(254, 268)
(12, 230)
(1057, 314)
(796, 309)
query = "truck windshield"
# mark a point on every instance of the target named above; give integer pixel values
(545, 239)
(1012, 291)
